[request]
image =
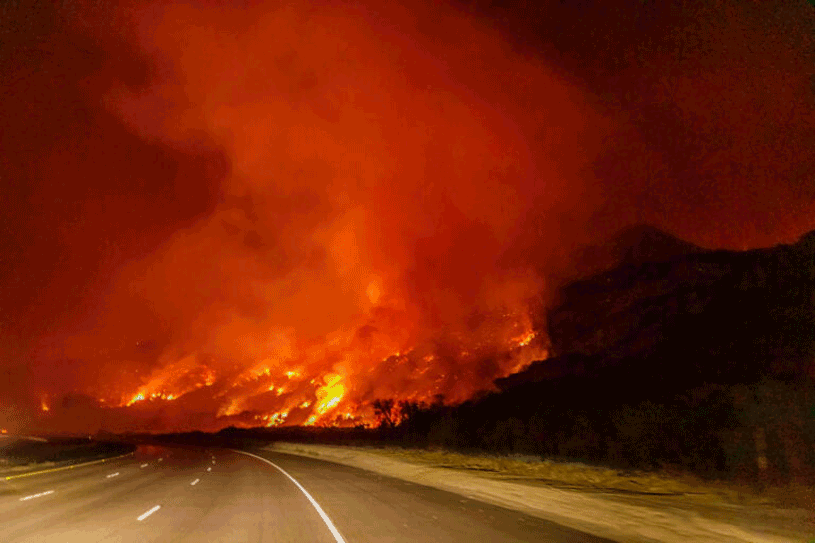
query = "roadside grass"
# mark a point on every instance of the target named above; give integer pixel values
(578, 476)
(26, 456)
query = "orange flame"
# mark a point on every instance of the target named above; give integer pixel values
(272, 394)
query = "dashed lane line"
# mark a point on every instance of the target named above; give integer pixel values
(47, 492)
(149, 512)
(29, 474)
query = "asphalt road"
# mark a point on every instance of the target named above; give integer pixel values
(176, 494)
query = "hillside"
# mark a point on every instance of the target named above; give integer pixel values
(684, 319)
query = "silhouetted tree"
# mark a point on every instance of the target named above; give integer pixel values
(385, 412)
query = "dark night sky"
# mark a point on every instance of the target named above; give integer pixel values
(194, 193)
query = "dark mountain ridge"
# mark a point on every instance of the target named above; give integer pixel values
(675, 316)
(638, 244)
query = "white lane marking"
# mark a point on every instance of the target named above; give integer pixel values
(316, 505)
(150, 512)
(72, 466)
(112, 475)
(144, 465)
(47, 492)
(195, 482)
(209, 469)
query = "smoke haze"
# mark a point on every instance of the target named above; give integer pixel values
(274, 213)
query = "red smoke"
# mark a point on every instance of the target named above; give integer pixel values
(396, 190)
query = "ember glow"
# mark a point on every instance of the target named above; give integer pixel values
(274, 214)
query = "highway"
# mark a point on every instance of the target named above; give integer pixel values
(187, 494)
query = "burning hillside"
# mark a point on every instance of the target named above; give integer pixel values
(335, 384)
(264, 213)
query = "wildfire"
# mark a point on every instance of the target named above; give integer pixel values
(297, 389)
(329, 404)
(172, 381)
(276, 419)
(330, 395)
(526, 339)
(233, 408)
(154, 396)
(44, 405)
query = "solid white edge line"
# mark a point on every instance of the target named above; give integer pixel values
(47, 492)
(112, 475)
(316, 505)
(150, 512)
(195, 481)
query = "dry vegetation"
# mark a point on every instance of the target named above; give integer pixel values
(24, 456)
(577, 476)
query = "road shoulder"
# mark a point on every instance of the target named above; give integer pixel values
(630, 519)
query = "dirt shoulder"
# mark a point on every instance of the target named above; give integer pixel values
(626, 507)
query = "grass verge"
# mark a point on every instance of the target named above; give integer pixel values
(25, 456)
(578, 476)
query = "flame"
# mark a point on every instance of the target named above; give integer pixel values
(524, 340)
(276, 419)
(301, 387)
(330, 395)
(141, 396)
(232, 408)
(172, 381)
(44, 405)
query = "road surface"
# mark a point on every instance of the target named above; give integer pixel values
(187, 494)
